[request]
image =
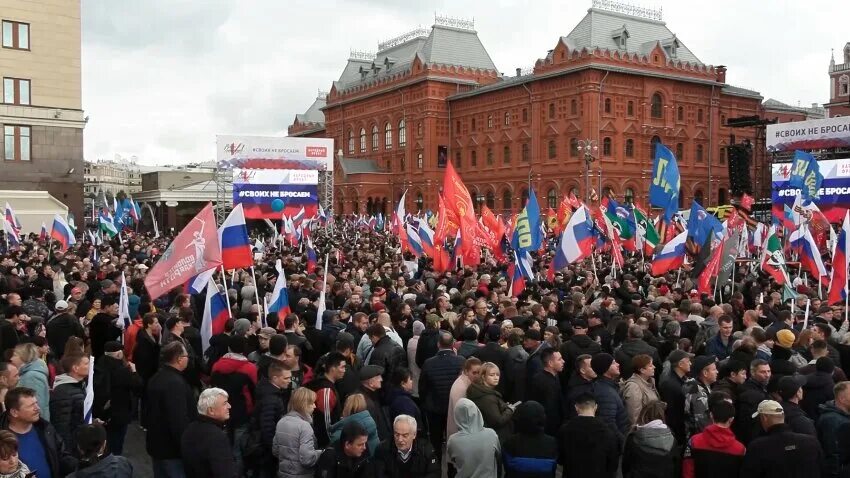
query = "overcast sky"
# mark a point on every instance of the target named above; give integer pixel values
(162, 77)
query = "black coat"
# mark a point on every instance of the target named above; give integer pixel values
(750, 394)
(797, 419)
(422, 462)
(8, 336)
(146, 355)
(571, 349)
(108, 466)
(271, 404)
(389, 355)
(170, 407)
(817, 391)
(781, 453)
(123, 386)
(59, 457)
(102, 329)
(60, 329)
(670, 391)
(427, 346)
(334, 464)
(629, 350)
(546, 390)
(530, 453)
(436, 379)
(206, 450)
(66, 408)
(588, 449)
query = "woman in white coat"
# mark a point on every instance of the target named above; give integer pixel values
(294, 442)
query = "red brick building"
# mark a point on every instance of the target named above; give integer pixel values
(605, 92)
(839, 85)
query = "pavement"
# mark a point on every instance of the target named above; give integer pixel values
(134, 450)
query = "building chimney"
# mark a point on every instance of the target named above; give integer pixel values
(519, 72)
(721, 73)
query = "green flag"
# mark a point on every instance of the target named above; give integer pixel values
(107, 226)
(646, 233)
(772, 259)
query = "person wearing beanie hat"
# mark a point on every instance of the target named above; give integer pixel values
(697, 390)
(275, 354)
(611, 408)
(241, 327)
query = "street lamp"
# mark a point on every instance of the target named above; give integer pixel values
(589, 147)
(419, 202)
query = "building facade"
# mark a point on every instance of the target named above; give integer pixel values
(586, 116)
(839, 85)
(41, 113)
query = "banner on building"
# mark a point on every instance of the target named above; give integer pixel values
(834, 193)
(813, 134)
(266, 152)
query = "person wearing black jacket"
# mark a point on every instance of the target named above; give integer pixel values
(102, 328)
(791, 391)
(9, 336)
(22, 418)
(780, 452)
(546, 390)
(59, 329)
(435, 383)
(587, 446)
(124, 383)
(671, 392)
(579, 344)
(404, 455)
(529, 452)
(385, 352)
(66, 399)
(348, 457)
(170, 408)
(750, 394)
(272, 399)
(204, 445)
(427, 346)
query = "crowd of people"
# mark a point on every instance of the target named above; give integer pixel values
(413, 373)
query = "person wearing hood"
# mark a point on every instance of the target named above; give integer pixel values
(529, 452)
(474, 450)
(496, 412)
(588, 447)
(69, 393)
(831, 425)
(651, 449)
(95, 462)
(33, 373)
(715, 451)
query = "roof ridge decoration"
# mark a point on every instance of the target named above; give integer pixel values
(452, 22)
(417, 32)
(322, 95)
(361, 55)
(628, 9)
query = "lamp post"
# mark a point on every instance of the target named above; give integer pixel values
(419, 203)
(589, 147)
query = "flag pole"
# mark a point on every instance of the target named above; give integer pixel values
(226, 293)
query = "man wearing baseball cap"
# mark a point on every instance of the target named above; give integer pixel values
(671, 391)
(790, 390)
(780, 451)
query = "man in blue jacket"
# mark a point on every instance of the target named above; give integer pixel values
(721, 344)
(611, 408)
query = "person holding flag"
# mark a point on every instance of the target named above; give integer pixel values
(840, 259)
(279, 301)
(61, 233)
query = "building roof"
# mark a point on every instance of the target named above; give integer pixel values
(314, 112)
(738, 91)
(600, 27)
(447, 42)
(814, 111)
(358, 166)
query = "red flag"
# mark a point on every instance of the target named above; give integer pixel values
(565, 212)
(442, 222)
(573, 201)
(711, 270)
(196, 249)
(459, 201)
(492, 222)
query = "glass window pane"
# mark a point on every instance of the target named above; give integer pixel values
(7, 34)
(8, 90)
(25, 147)
(23, 36)
(24, 86)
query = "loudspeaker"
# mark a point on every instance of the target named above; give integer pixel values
(739, 169)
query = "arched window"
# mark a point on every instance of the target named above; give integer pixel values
(630, 148)
(573, 107)
(490, 200)
(630, 108)
(699, 153)
(507, 204)
(656, 106)
(655, 140)
(506, 155)
(552, 198)
(573, 147)
(388, 136)
(607, 192)
(680, 113)
(350, 141)
(525, 115)
(553, 149)
(489, 121)
(473, 125)
(507, 119)
(680, 151)
(526, 153)
(374, 137)
(606, 146)
(473, 158)
(629, 195)
(419, 160)
(489, 156)
(698, 197)
(607, 105)
(402, 134)
(699, 116)
(574, 191)
(551, 110)
(362, 140)
(722, 155)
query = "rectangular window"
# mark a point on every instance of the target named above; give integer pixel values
(16, 141)
(16, 35)
(16, 91)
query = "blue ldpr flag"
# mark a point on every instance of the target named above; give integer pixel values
(664, 188)
(701, 223)
(526, 235)
(805, 174)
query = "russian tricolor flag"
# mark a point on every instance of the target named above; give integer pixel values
(215, 314)
(413, 240)
(576, 241)
(198, 282)
(298, 218)
(426, 237)
(810, 258)
(235, 246)
(43, 235)
(838, 283)
(280, 296)
(671, 256)
(311, 257)
(12, 220)
(62, 233)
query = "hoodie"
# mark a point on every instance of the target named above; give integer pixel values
(238, 377)
(66, 407)
(715, 451)
(35, 375)
(473, 450)
(650, 451)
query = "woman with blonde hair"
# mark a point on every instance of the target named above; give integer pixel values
(33, 374)
(354, 410)
(294, 442)
(495, 411)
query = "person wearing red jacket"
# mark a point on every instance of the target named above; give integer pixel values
(715, 451)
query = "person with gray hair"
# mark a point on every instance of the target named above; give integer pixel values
(404, 455)
(204, 445)
(633, 346)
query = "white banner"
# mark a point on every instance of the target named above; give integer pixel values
(301, 153)
(813, 134)
(275, 176)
